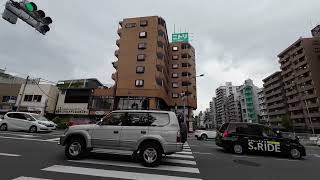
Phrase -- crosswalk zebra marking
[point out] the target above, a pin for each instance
(136, 165)
(112, 173)
(29, 178)
(11, 155)
(180, 161)
(184, 152)
(181, 156)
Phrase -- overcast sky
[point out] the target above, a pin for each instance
(234, 39)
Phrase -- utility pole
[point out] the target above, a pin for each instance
(21, 95)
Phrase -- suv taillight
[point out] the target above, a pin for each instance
(178, 137)
(226, 133)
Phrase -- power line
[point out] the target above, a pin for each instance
(45, 92)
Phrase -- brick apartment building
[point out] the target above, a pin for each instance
(150, 72)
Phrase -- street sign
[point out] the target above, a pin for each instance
(180, 37)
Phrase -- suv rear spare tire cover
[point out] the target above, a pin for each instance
(183, 132)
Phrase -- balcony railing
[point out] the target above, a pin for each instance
(118, 42)
(116, 53)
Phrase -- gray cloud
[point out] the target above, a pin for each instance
(234, 40)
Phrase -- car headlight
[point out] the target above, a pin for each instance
(42, 123)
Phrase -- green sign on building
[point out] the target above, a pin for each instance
(180, 37)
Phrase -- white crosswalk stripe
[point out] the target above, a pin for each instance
(29, 178)
(178, 166)
(112, 173)
(11, 155)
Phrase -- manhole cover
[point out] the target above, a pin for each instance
(245, 162)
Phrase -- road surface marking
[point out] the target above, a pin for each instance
(202, 153)
(28, 178)
(180, 161)
(316, 155)
(28, 139)
(54, 139)
(184, 152)
(112, 151)
(186, 149)
(12, 155)
(287, 160)
(181, 156)
(21, 135)
(137, 165)
(112, 173)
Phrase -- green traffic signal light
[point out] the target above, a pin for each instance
(30, 6)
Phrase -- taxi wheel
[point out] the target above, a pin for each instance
(238, 149)
(295, 153)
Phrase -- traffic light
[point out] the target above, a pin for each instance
(28, 12)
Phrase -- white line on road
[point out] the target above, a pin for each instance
(181, 156)
(28, 178)
(136, 165)
(184, 152)
(54, 139)
(316, 155)
(28, 139)
(12, 155)
(180, 161)
(16, 134)
(202, 153)
(111, 173)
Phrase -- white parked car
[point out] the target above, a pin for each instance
(205, 134)
(23, 121)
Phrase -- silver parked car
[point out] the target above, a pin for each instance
(148, 134)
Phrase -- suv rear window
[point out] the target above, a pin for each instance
(159, 119)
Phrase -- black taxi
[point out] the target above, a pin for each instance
(250, 137)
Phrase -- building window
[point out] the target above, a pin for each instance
(175, 48)
(141, 57)
(140, 69)
(160, 55)
(161, 33)
(130, 25)
(160, 44)
(185, 65)
(175, 95)
(139, 83)
(28, 98)
(174, 75)
(185, 46)
(37, 98)
(143, 34)
(185, 83)
(175, 85)
(142, 45)
(143, 23)
(175, 57)
(175, 66)
(185, 74)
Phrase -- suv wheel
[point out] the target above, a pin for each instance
(238, 149)
(295, 153)
(150, 154)
(3, 127)
(33, 129)
(75, 149)
(204, 137)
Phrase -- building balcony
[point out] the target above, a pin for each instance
(274, 99)
(115, 64)
(308, 96)
(279, 112)
(300, 72)
(273, 93)
(272, 81)
(288, 78)
(276, 106)
(305, 88)
(303, 80)
(286, 71)
(289, 86)
(311, 105)
(116, 53)
(297, 116)
(286, 64)
(291, 92)
(118, 42)
(119, 31)
(295, 108)
(272, 87)
(300, 64)
(120, 23)
(295, 99)
(313, 115)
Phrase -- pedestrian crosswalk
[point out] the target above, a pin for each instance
(178, 166)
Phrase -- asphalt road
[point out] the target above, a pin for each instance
(38, 156)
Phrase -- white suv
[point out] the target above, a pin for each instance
(148, 134)
(23, 121)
